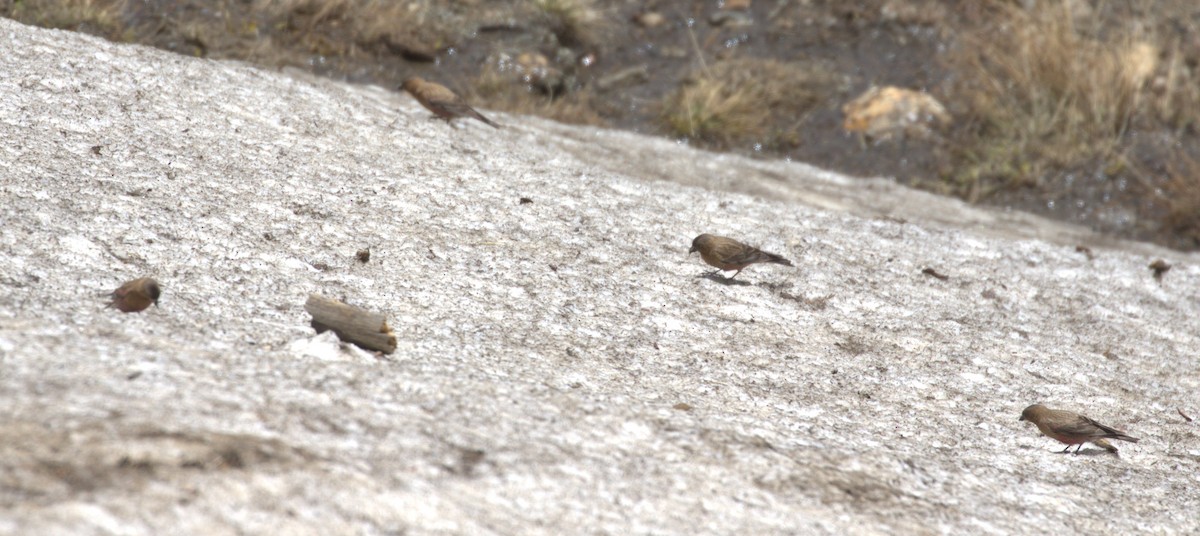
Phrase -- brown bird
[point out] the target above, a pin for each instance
(441, 101)
(1072, 428)
(136, 295)
(729, 254)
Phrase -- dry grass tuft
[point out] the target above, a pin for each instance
(745, 101)
(500, 89)
(97, 17)
(1044, 91)
(1182, 191)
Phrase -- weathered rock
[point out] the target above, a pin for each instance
(628, 76)
(731, 19)
(885, 112)
(560, 366)
(650, 19)
(535, 69)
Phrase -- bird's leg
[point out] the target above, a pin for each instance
(734, 275)
(712, 273)
(1066, 450)
(1077, 449)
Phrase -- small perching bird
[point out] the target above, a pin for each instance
(729, 254)
(136, 295)
(1072, 428)
(441, 101)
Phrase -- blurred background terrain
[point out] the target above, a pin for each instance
(1085, 111)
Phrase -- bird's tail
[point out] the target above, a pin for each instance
(480, 117)
(1124, 437)
(771, 257)
(1113, 433)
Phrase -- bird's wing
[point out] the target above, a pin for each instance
(749, 255)
(1079, 426)
(743, 255)
(1110, 431)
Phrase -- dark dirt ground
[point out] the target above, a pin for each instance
(476, 47)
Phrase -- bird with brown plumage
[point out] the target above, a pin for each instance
(440, 100)
(728, 254)
(1072, 428)
(135, 296)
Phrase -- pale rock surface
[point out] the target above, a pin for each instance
(561, 368)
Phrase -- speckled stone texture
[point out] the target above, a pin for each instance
(561, 367)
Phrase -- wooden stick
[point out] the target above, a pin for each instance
(351, 324)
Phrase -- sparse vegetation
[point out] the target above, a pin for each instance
(414, 29)
(99, 17)
(1183, 201)
(1049, 89)
(574, 22)
(504, 89)
(747, 100)
(1037, 92)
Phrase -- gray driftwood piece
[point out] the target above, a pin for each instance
(351, 324)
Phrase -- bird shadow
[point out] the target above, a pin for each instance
(718, 278)
(1090, 452)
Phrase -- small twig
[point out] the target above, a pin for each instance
(696, 47)
(934, 273)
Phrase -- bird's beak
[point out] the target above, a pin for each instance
(691, 251)
(1021, 418)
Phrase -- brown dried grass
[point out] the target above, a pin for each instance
(743, 101)
(98, 17)
(1047, 89)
